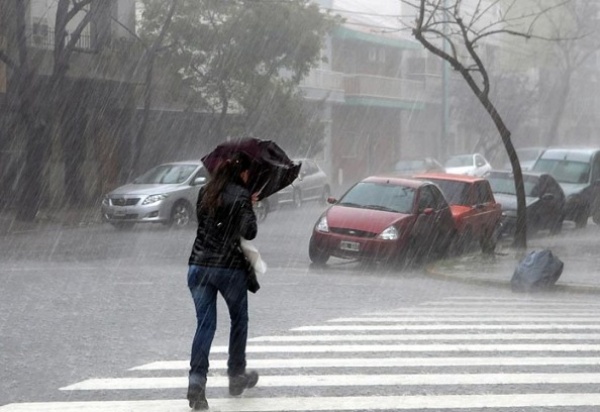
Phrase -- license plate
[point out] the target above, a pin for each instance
(350, 246)
(120, 212)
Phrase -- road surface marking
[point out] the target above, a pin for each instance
(247, 404)
(506, 326)
(378, 362)
(429, 337)
(541, 318)
(347, 380)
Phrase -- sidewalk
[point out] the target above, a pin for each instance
(49, 219)
(581, 273)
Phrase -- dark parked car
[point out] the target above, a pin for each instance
(578, 173)
(544, 199)
(311, 184)
(384, 218)
(474, 208)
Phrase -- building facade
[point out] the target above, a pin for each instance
(91, 145)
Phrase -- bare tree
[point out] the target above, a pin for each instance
(456, 31)
(39, 100)
(577, 33)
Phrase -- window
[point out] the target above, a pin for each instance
(479, 162)
(596, 168)
(426, 199)
(482, 193)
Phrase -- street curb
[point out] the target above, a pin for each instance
(434, 272)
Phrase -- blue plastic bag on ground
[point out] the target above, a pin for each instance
(539, 270)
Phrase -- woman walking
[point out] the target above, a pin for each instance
(217, 265)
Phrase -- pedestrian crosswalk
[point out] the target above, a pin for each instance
(514, 353)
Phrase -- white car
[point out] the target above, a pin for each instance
(311, 184)
(165, 194)
(473, 164)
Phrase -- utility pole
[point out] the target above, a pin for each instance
(443, 144)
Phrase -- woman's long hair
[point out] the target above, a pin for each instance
(227, 172)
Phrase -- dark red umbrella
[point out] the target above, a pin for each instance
(271, 169)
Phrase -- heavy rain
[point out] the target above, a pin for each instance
(414, 183)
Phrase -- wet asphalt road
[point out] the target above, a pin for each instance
(79, 303)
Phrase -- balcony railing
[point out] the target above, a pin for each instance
(362, 85)
(366, 86)
(324, 80)
(44, 39)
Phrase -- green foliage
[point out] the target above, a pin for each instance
(229, 56)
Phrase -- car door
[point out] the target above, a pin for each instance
(305, 183)
(198, 180)
(595, 181)
(483, 202)
(426, 218)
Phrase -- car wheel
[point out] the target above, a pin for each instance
(488, 242)
(556, 228)
(316, 255)
(180, 214)
(261, 210)
(581, 219)
(123, 225)
(596, 216)
(325, 195)
(464, 241)
(297, 198)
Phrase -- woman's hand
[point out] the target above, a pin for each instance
(254, 198)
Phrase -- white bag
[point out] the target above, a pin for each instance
(251, 252)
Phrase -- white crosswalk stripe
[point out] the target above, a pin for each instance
(465, 353)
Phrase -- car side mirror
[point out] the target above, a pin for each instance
(332, 200)
(547, 196)
(199, 181)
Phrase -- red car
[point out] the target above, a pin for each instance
(475, 211)
(386, 219)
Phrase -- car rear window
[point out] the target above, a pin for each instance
(380, 196)
(456, 193)
(505, 184)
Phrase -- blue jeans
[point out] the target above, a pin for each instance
(204, 283)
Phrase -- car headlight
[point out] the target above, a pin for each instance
(391, 233)
(105, 201)
(322, 225)
(154, 198)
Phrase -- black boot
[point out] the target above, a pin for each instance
(197, 397)
(238, 383)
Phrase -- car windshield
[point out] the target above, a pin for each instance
(380, 196)
(460, 161)
(528, 155)
(167, 174)
(564, 171)
(505, 184)
(456, 193)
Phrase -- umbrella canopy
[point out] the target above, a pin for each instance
(271, 169)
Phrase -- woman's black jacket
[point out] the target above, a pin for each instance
(218, 237)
